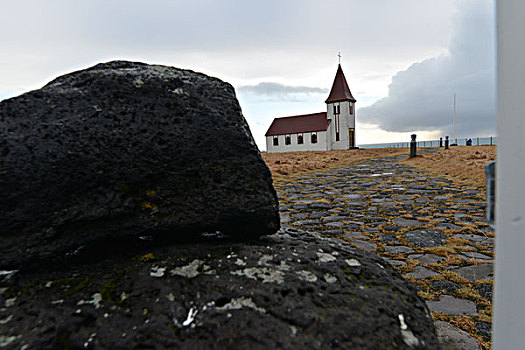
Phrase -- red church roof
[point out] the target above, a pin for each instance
(298, 124)
(340, 90)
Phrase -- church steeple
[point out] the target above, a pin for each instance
(340, 90)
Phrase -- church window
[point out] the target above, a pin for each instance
(337, 109)
(275, 141)
(300, 139)
(287, 140)
(351, 109)
(314, 138)
(337, 136)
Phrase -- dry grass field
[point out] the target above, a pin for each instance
(294, 163)
(461, 164)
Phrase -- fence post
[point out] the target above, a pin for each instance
(491, 140)
(446, 142)
(477, 141)
(413, 146)
(440, 142)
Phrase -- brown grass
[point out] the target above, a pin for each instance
(463, 165)
(294, 163)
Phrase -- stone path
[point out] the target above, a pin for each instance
(430, 229)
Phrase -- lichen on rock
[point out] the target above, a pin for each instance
(282, 297)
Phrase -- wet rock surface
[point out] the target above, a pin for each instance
(453, 306)
(127, 149)
(430, 229)
(426, 238)
(421, 272)
(475, 273)
(291, 290)
(453, 338)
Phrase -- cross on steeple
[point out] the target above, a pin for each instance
(339, 55)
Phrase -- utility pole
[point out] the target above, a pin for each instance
(454, 122)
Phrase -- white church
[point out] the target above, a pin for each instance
(333, 129)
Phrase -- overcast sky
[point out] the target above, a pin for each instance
(403, 59)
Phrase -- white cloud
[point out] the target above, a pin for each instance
(238, 40)
(421, 97)
(268, 91)
(292, 42)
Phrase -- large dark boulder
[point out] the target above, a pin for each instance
(127, 149)
(291, 290)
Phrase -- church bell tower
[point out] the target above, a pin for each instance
(341, 111)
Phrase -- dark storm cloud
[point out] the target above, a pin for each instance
(421, 97)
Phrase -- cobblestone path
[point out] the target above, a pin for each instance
(430, 229)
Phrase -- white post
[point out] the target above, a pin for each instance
(509, 305)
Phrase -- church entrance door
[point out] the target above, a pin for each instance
(351, 139)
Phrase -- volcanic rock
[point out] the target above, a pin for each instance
(127, 149)
(426, 237)
(452, 337)
(291, 290)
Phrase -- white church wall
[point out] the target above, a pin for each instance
(330, 130)
(343, 126)
(294, 145)
(269, 143)
(346, 121)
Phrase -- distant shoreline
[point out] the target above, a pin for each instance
(476, 141)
